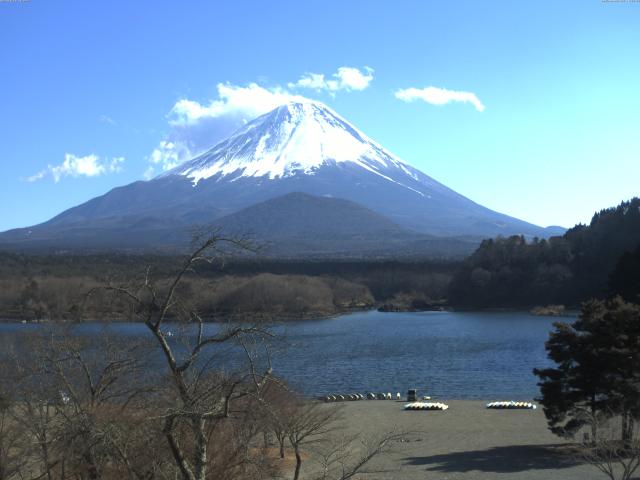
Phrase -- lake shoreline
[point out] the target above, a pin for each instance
(212, 318)
(297, 316)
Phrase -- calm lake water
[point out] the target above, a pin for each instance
(449, 355)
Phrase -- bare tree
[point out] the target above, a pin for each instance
(309, 424)
(200, 394)
(616, 458)
(24, 425)
(73, 397)
(12, 440)
(99, 379)
(279, 406)
(342, 458)
(40, 423)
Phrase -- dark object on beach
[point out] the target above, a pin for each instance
(412, 395)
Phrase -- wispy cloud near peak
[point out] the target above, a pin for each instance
(251, 101)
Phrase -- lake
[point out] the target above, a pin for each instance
(449, 355)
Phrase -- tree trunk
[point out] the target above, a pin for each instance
(282, 448)
(296, 475)
(176, 451)
(627, 428)
(201, 448)
(594, 421)
(44, 440)
(92, 469)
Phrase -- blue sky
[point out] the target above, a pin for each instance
(546, 125)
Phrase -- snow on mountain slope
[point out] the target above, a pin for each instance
(296, 138)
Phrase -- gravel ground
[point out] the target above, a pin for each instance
(467, 441)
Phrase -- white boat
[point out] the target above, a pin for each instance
(511, 405)
(426, 406)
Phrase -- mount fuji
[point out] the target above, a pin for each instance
(303, 159)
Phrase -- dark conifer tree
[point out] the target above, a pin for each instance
(576, 389)
(625, 278)
(597, 368)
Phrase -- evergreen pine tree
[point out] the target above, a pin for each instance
(597, 368)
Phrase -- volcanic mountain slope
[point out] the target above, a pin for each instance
(299, 224)
(298, 147)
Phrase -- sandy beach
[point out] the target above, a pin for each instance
(467, 441)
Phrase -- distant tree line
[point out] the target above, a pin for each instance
(51, 287)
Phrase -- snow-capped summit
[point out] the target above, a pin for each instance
(295, 138)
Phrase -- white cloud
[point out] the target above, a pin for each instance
(167, 155)
(438, 96)
(346, 78)
(149, 173)
(74, 166)
(249, 101)
(196, 127)
(37, 176)
(108, 120)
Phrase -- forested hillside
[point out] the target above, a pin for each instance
(514, 272)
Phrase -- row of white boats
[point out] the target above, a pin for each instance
(512, 405)
(422, 405)
(359, 396)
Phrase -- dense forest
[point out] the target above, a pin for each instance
(595, 260)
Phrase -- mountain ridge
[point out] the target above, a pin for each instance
(298, 224)
(297, 147)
